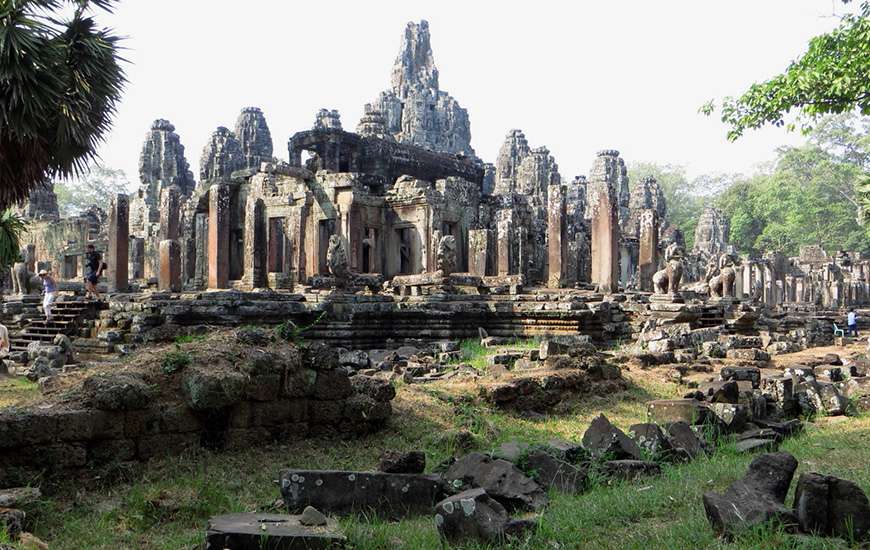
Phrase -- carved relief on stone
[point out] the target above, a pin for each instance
(445, 260)
(337, 261)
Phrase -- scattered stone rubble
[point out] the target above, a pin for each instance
(823, 505)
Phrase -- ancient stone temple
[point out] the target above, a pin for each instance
(254, 137)
(415, 110)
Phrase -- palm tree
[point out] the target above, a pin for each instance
(11, 229)
(60, 81)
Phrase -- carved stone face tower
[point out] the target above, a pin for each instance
(254, 137)
(415, 110)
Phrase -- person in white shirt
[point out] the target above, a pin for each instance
(5, 346)
(852, 323)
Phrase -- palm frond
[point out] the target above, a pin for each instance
(12, 227)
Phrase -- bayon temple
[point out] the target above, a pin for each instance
(402, 211)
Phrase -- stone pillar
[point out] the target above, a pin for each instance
(219, 236)
(200, 239)
(137, 258)
(504, 229)
(605, 243)
(118, 253)
(480, 252)
(255, 243)
(747, 280)
(648, 251)
(169, 278)
(170, 213)
(556, 242)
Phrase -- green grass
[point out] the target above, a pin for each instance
(166, 504)
(17, 391)
(474, 354)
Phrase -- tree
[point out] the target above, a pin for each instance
(831, 77)
(11, 229)
(98, 186)
(60, 80)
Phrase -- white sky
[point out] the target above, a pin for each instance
(574, 76)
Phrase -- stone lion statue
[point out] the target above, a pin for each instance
(336, 260)
(667, 280)
(25, 281)
(445, 258)
(721, 276)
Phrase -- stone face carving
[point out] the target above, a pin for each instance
(511, 154)
(162, 162)
(221, 156)
(327, 120)
(415, 110)
(445, 260)
(254, 137)
(667, 280)
(373, 124)
(711, 234)
(337, 261)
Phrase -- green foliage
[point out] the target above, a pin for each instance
(831, 77)
(12, 228)
(290, 331)
(98, 186)
(810, 195)
(175, 360)
(60, 81)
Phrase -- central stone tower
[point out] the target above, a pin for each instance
(416, 112)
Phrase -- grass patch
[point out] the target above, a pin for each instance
(16, 390)
(170, 500)
(175, 360)
(189, 338)
(474, 354)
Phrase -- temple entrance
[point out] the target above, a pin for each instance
(404, 240)
(276, 245)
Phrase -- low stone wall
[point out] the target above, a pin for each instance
(367, 321)
(119, 416)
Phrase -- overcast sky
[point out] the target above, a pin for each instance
(574, 76)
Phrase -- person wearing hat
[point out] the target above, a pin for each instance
(94, 267)
(49, 288)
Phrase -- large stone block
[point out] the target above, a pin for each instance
(342, 492)
(258, 531)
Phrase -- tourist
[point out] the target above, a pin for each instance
(852, 323)
(49, 288)
(5, 346)
(93, 271)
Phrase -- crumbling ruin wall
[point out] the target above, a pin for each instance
(268, 394)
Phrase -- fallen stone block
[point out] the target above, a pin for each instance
(471, 515)
(684, 442)
(551, 472)
(650, 438)
(342, 492)
(603, 439)
(11, 522)
(751, 374)
(729, 392)
(273, 531)
(755, 499)
(751, 445)
(502, 480)
(729, 417)
(567, 451)
(785, 429)
(828, 505)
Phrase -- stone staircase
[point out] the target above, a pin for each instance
(26, 322)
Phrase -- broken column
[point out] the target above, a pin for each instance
(556, 243)
(604, 177)
(219, 236)
(170, 213)
(169, 277)
(137, 258)
(255, 243)
(119, 235)
(648, 254)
